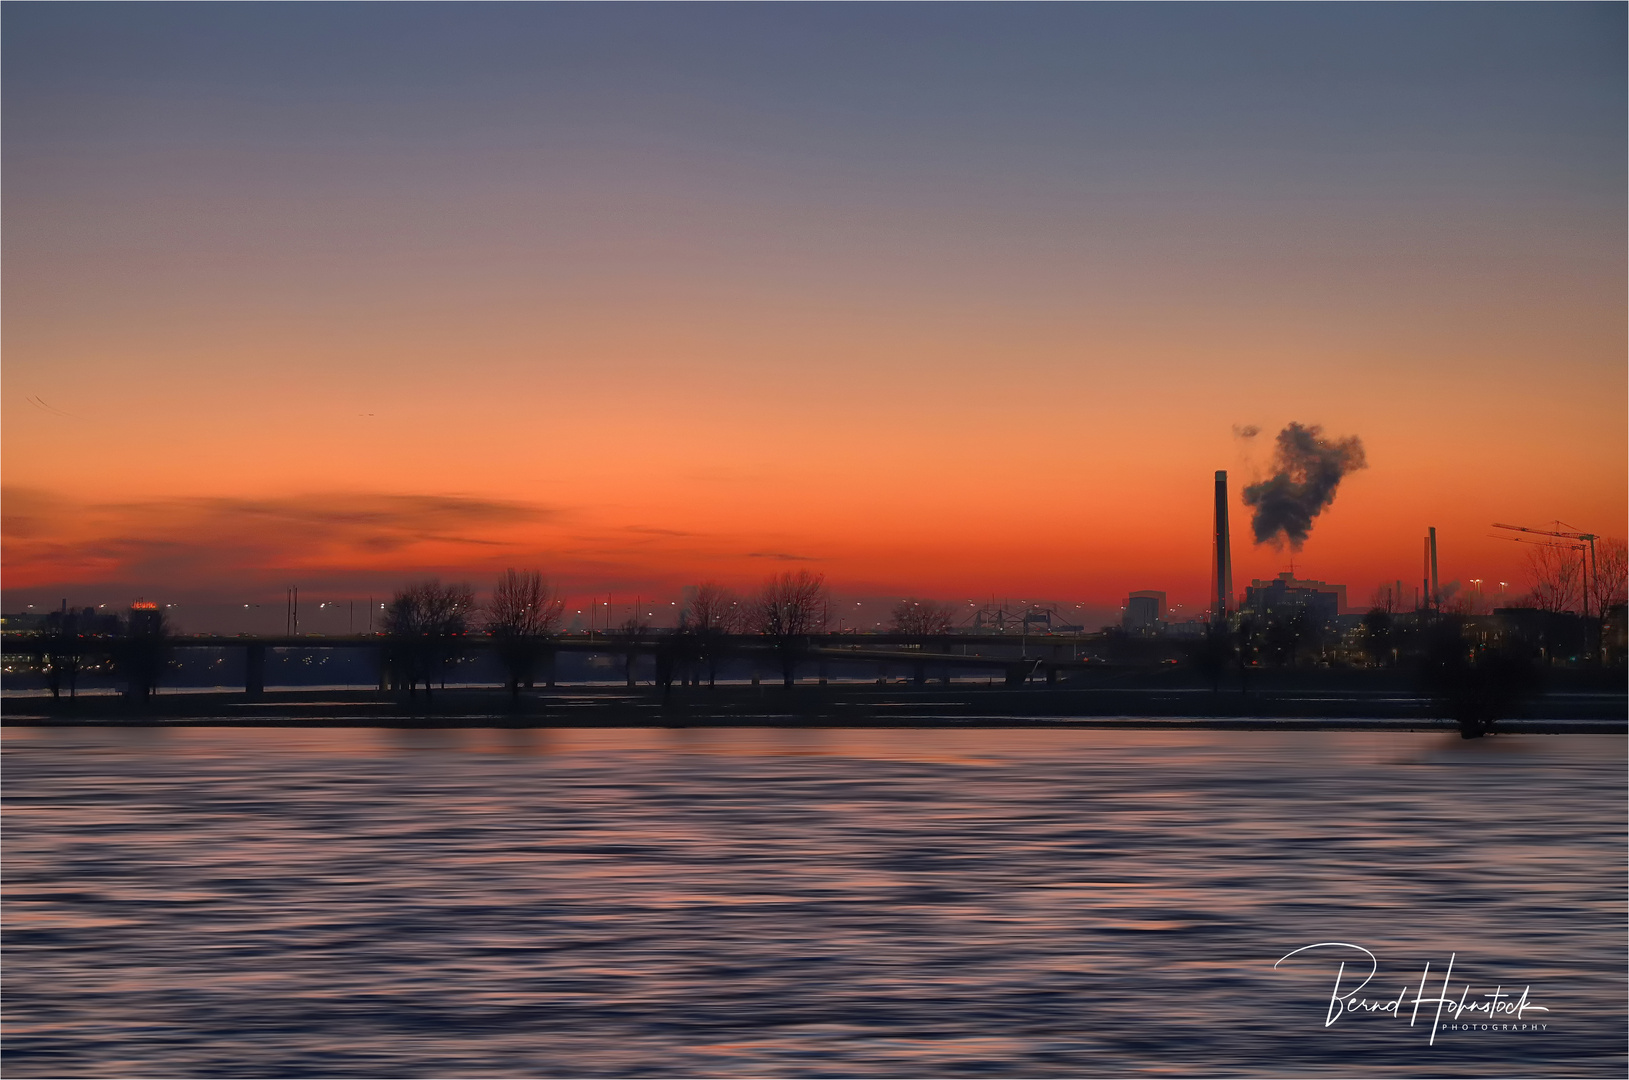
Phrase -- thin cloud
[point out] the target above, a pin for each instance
(653, 531)
(236, 539)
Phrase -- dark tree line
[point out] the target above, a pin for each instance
(524, 611)
(425, 621)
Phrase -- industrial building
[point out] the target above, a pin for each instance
(1286, 593)
(1144, 613)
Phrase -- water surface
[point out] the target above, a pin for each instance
(758, 902)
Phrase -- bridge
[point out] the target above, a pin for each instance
(1016, 659)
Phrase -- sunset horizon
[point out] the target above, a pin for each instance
(895, 540)
(645, 301)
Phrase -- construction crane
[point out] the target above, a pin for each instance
(1583, 538)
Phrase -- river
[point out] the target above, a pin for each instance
(812, 902)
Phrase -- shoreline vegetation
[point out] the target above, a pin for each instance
(1290, 662)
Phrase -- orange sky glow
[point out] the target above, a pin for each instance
(643, 361)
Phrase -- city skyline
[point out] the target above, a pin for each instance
(946, 302)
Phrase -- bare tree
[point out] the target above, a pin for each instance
(714, 609)
(632, 628)
(712, 615)
(789, 608)
(923, 618)
(1611, 581)
(63, 659)
(524, 608)
(424, 622)
(1557, 572)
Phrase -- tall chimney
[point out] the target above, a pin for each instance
(1222, 563)
(1436, 592)
(1425, 572)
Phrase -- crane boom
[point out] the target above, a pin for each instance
(1548, 532)
(1586, 540)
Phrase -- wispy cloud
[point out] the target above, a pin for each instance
(653, 531)
(232, 538)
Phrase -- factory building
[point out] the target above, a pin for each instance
(1144, 613)
(1286, 593)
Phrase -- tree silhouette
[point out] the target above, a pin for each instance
(62, 655)
(523, 610)
(1377, 634)
(1557, 573)
(424, 623)
(788, 608)
(922, 618)
(1611, 581)
(632, 629)
(712, 615)
(1473, 685)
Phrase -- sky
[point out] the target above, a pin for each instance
(956, 301)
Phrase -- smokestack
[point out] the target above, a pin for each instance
(1436, 593)
(1425, 573)
(1222, 562)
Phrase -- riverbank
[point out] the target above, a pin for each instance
(840, 705)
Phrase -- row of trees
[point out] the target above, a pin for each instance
(425, 620)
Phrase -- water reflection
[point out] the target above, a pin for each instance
(703, 901)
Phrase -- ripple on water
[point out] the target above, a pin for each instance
(812, 902)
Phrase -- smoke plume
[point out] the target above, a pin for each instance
(1309, 469)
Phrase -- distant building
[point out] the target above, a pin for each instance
(1144, 612)
(25, 622)
(85, 622)
(1285, 593)
(71, 621)
(1188, 628)
(146, 619)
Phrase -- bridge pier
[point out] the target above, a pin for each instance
(820, 673)
(254, 670)
(919, 675)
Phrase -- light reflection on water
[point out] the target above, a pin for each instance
(786, 902)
